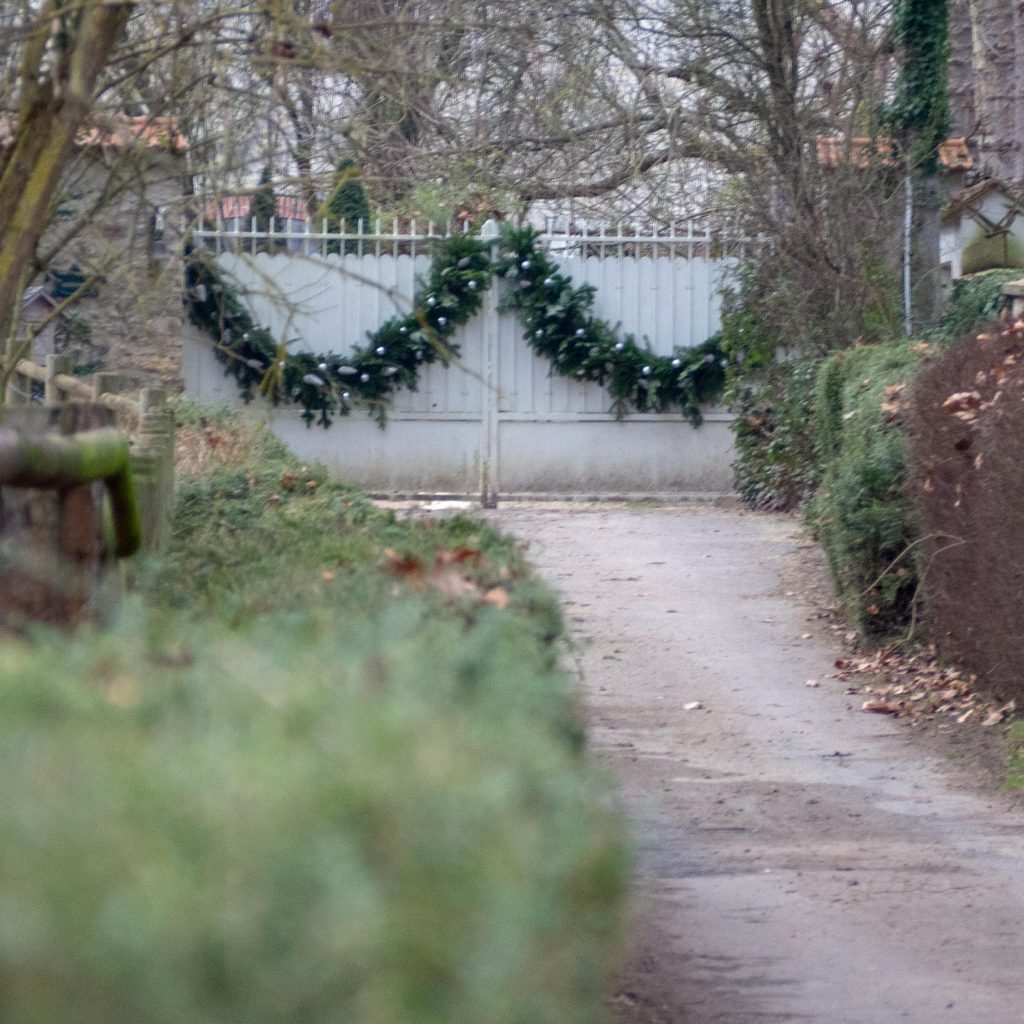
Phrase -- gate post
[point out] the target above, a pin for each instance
(489, 412)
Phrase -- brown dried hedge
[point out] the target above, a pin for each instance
(966, 426)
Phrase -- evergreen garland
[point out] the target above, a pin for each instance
(558, 324)
(329, 384)
(556, 316)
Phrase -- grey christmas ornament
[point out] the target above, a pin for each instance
(364, 377)
(346, 371)
(313, 381)
(381, 350)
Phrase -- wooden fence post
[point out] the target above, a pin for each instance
(52, 566)
(51, 390)
(10, 359)
(153, 468)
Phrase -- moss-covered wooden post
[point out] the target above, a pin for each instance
(55, 466)
(153, 468)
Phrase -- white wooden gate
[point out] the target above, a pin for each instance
(498, 421)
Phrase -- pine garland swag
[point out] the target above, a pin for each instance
(556, 316)
(558, 324)
(328, 384)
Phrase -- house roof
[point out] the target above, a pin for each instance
(120, 133)
(964, 202)
(240, 206)
(862, 151)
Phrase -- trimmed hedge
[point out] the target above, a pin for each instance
(966, 424)
(862, 512)
(321, 793)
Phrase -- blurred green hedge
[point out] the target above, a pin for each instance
(353, 804)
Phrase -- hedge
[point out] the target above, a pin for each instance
(862, 512)
(317, 793)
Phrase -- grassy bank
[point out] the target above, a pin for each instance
(327, 770)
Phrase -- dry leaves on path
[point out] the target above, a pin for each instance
(916, 686)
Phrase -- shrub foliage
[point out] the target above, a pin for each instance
(862, 512)
(314, 780)
(967, 433)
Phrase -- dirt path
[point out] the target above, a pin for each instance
(799, 860)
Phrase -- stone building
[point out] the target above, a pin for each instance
(114, 248)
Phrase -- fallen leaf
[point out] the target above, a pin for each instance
(962, 401)
(498, 597)
(813, 683)
(694, 705)
(327, 576)
(878, 707)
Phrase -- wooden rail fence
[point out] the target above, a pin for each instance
(86, 476)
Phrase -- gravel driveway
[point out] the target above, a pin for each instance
(799, 860)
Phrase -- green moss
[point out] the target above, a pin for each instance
(1015, 765)
(986, 253)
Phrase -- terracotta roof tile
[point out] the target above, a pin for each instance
(862, 152)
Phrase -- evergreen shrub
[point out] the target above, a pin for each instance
(862, 512)
(975, 299)
(311, 780)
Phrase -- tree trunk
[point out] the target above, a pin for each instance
(46, 123)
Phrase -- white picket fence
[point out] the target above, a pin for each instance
(499, 421)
